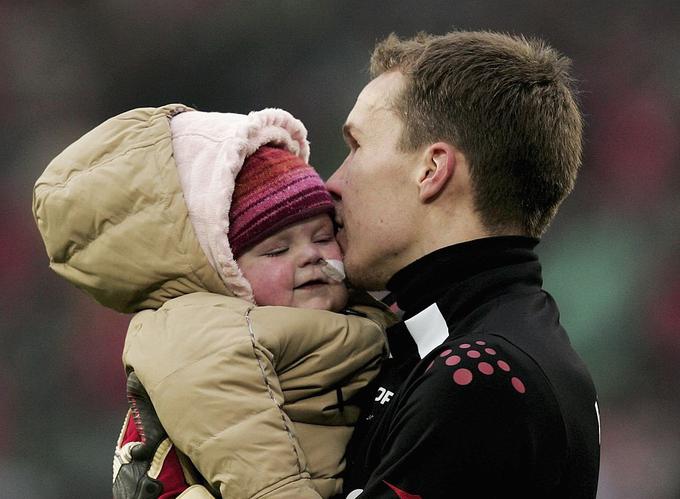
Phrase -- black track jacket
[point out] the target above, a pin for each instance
(484, 396)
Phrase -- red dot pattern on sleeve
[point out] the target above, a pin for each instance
(485, 368)
(452, 361)
(462, 376)
(518, 385)
(465, 373)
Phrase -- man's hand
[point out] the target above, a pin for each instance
(142, 448)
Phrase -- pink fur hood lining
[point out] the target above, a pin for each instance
(209, 150)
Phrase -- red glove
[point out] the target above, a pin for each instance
(145, 463)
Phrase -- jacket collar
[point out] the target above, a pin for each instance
(444, 287)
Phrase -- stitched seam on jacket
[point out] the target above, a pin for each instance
(288, 430)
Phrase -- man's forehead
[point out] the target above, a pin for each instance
(377, 97)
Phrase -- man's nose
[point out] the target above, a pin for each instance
(334, 184)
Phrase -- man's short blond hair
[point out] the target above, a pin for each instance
(508, 103)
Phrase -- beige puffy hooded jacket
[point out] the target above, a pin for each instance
(136, 214)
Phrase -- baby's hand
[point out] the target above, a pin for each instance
(143, 450)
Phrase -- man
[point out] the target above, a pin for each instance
(462, 148)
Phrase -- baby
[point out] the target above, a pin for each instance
(281, 233)
(213, 228)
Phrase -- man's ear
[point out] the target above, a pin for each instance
(439, 164)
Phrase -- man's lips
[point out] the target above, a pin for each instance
(341, 238)
(339, 222)
(340, 229)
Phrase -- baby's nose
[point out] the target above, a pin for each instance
(311, 254)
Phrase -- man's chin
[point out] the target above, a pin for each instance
(362, 277)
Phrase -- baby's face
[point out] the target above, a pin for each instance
(285, 268)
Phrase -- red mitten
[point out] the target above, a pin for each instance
(145, 463)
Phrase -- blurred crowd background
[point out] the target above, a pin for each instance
(610, 258)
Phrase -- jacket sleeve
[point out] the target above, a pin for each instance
(319, 354)
(218, 397)
(323, 360)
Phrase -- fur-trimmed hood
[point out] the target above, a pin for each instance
(136, 212)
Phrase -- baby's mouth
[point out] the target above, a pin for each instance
(311, 284)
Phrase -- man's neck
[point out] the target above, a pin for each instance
(420, 283)
(430, 241)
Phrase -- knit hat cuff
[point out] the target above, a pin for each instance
(239, 246)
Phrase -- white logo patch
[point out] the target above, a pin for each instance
(384, 395)
(428, 329)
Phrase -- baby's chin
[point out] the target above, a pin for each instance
(334, 299)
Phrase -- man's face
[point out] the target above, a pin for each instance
(285, 268)
(374, 188)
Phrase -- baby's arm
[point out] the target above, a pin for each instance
(217, 395)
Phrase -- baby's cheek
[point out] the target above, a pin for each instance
(274, 285)
(333, 252)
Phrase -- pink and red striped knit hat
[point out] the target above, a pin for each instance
(274, 189)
